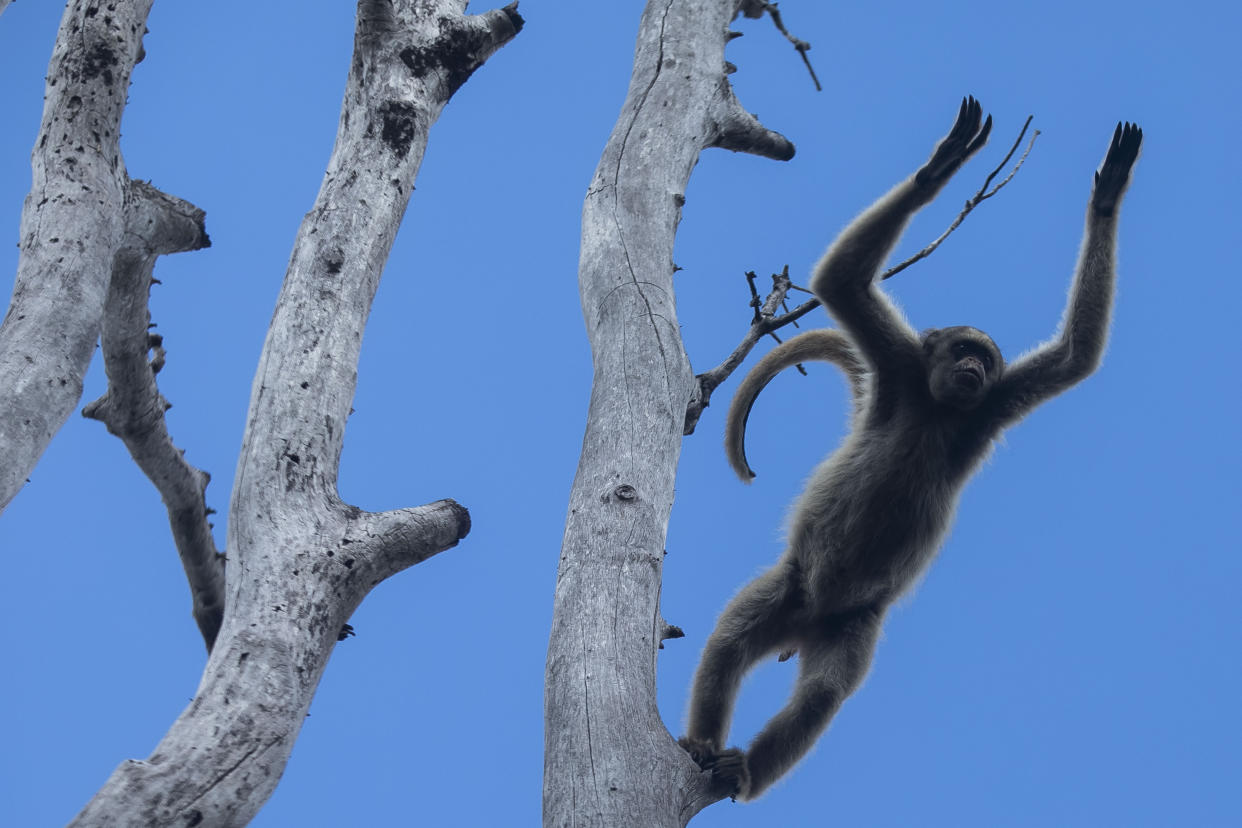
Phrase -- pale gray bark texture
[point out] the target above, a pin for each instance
(71, 229)
(609, 760)
(299, 559)
(133, 408)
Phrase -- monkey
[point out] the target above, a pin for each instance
(874, 513)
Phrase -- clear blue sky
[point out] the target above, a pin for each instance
(1072, 659)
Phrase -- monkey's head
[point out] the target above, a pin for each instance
(962, 365)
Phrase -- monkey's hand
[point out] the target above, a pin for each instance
(1114, 174)
(730, 775)
(964, 140)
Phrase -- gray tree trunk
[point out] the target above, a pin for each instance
(299, 559)
(71, 230)
(609, 760)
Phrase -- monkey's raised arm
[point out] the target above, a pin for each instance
(1076, 350)
(843, 279)
(821, 345)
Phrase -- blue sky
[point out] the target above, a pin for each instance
(1072, 657)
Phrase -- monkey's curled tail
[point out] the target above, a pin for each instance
(820, 345)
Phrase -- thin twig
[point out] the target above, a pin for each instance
(974, 202)
(761, 326)
(801, 45)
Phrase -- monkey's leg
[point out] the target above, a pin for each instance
(829, 670)
(755, 623)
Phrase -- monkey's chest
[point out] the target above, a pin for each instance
(868, 531)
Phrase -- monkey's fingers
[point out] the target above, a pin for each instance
(1114, 174)
(1126, 146)
(700, 751)
(967, 123)
(981, 138)
(966, 137)
(730, 772)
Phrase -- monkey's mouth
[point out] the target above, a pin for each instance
(969, 377)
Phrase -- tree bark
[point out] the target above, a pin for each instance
(133, 408)
(299, 559)
(608, 758)
(71, 230)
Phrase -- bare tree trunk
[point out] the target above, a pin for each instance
(609, 760)
(71, 230)
(299, 559)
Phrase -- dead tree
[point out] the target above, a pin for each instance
(608, 758)
(299, 560)
(72, 230)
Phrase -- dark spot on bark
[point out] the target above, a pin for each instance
(456, 54)
(625, 492)
(91, 11)
(418, 61)
(349, 563)
(305, 385)
(193, 818)
(397, 120)
(331, 554)
(293, 458)
(334, 260)
(98, 62)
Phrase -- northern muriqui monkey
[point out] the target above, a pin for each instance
(874, 513)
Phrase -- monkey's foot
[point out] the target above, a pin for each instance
(730, 776)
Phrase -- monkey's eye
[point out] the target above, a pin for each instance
(961, 350)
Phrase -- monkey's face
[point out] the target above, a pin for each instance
(962, 365)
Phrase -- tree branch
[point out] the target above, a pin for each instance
(133, 409)
(600, 712)
(738, 130)
(398, 539)
(299, 560)
(982, 195)
(757, 8)
(71, 229)
(763, 324)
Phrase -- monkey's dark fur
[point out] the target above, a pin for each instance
(873, 514)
